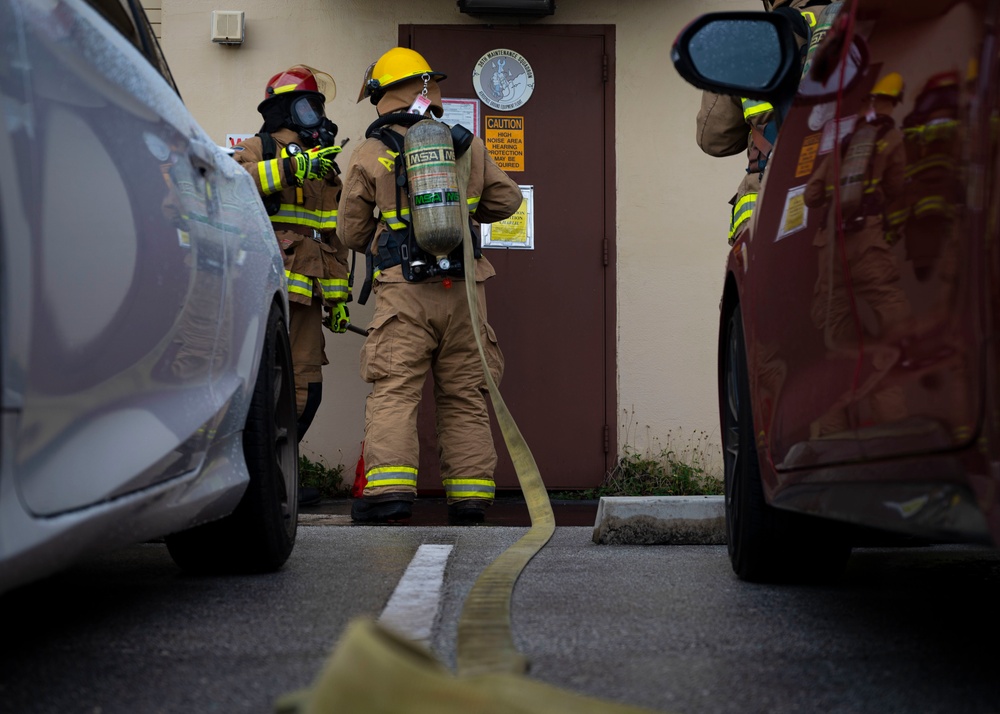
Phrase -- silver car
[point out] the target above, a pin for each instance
(144, 359)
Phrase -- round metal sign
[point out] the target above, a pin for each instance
(503, 79)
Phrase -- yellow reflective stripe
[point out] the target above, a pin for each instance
(934, 161)
(299, 284)
(398, 221)
(393, 221)
(334, 288)
(469, 488)
(936, 205)
(392, 476)
(742, 212)
(270, 176)
(870, 184)
(935, 130)
(810, 17)
(299, 216)
(753, 107)
(895, 218)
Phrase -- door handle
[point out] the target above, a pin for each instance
(202, 156)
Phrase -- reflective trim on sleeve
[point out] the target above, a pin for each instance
(299, 216)
(396, 222)
(334, 289)
(299, 284)
(469, 488)
(753, 107)
(270, 176)
(392, 476)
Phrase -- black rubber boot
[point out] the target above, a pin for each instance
(464, 513)
(365, 510)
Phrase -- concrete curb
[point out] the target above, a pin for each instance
(661, 520)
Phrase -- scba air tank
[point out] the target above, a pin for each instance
(435, 203)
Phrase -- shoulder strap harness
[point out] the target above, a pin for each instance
(399, 247)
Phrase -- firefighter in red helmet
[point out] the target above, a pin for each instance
(293, 162)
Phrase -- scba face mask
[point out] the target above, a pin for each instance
(307, 112)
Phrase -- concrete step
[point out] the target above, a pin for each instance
(660, 520)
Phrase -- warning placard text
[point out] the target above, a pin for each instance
(505, 141)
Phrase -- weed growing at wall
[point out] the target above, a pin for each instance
(329, 480)
(681, 468)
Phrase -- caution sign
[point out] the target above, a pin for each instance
(505, 141)
(807, 156)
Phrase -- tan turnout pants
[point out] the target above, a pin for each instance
(421, 327)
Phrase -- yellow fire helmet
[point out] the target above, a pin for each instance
(890, 85)
(396, 65)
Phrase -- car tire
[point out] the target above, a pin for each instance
(765, 544)
(260, 534)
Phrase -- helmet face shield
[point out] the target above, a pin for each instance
(366, 83)
(307, 111)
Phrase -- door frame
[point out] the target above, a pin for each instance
(607, 33)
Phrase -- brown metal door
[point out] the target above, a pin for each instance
(552, 306)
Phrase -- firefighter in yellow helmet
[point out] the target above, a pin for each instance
(421, 322)
(729, 125)
(292, 160)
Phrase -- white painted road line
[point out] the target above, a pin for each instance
(413, 607)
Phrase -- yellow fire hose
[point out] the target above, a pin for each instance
(375, 671)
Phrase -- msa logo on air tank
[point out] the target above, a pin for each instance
(435, 198)
(430, 155)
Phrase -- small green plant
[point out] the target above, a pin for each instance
(665, 473)
(329, 480)
(669, 471)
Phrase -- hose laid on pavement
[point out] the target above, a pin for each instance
(485, 643)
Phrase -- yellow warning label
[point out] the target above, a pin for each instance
(795, 214)
(807, 157)
(513, 229)
(505, 141)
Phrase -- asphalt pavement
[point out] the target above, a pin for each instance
(667, 628)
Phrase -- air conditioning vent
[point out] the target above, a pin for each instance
(227, 27)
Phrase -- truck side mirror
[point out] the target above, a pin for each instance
(746, 54)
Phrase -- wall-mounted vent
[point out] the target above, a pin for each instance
(227, 27)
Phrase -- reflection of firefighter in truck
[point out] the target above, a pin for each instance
(932, 239)
(933, 192)
(854, 245)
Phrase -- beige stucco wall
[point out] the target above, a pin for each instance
(672, 213)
